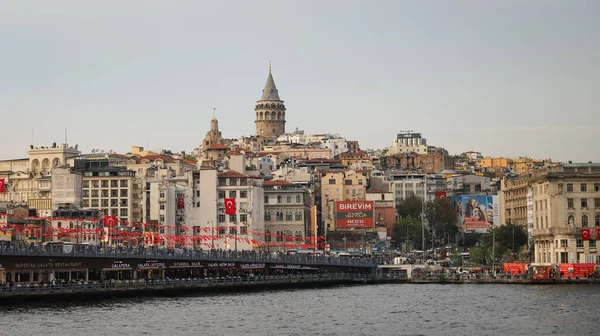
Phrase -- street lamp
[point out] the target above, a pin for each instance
(407, 225)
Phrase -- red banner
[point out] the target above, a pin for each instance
(180, 203)
(1, 185)
(590, 234)
(110, 221)
(230, 206)
(440, 194)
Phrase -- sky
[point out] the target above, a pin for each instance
(505, 78)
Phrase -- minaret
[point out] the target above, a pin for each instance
(270, 111)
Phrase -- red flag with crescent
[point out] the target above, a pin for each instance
(230, 206)
(1, 185)
(180, 203)
(110, 221)
(585, 234)
(440, 194)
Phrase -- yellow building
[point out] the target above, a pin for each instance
(514, 192)
(343, 185)
(493, 163)
(359, 158)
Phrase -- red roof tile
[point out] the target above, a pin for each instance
(277, 183)
(217, 146)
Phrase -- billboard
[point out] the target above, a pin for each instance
(477, 213)
(354, 214)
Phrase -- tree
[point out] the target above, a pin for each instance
(509, 238)
(441, 218)
(479, 255)
(415, 232)
(411, 206)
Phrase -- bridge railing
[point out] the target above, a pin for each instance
(173, 283)
(87, 251)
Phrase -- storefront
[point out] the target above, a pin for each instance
(252, 269)
(150, 270)
(291, 269)
(118, 270)
(219, 270)
(185, 269)
(47, 271)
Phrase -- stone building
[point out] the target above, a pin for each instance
(284, 211)
(270, 111)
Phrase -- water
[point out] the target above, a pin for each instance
(401, 309)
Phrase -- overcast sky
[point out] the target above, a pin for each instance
(506, 78)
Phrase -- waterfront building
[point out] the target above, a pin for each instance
(563, 202)
(285, 211)
(514, 199)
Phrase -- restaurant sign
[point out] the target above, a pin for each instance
(153, 264)
(252, 266)
(187, 264)
(120, 264)
(221, 265)
(49, 265)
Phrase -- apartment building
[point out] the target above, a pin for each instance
(242, 229)
(344, 185)
(284, 212)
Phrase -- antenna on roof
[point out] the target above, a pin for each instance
(66, 136)
(214, 111)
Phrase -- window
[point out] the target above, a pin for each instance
(162, 206)
(197, 193)
(279, 216)
(570, 203)
(331, 181)
(348, 182)
(267, 216)
(569, 187)
(221, 218)
(114, 184)
(232, 181)
(222, 182)
(222, 230)
(597, 221)
(596, 187)
(243, 181)
(299, 199)
(86, 184)
(584, 202)
(268, 236)
(288, 217)
(162, 219)
(104, 184)
(583, 187)
(162, 194)
(124, 183)
(243, 194)
(232, 218)
(123, 193)
(289, 198)
(299, 215)
(360, 182)
(592, 243)
(584, 221)
(244, 230)
(243, 218)
(232, 193)
(279, 199)
(579, 243)
(596, 203)
(233, 230)
(266, 199)
(221, 193)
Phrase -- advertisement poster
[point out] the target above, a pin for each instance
(476, 212)
(354, 214)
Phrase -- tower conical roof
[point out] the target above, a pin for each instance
(270, 90)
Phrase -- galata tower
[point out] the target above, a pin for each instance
(270, 111)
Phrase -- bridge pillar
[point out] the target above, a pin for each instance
(134, 276)
(87, 275)
(69, 272)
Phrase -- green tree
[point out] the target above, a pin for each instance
(411, 206)
(415, 233)
(189, 157)
(442, 219)
(509, 240)
(479, 255)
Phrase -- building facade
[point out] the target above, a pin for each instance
(345, 185)
(564, 203)
(284, 213)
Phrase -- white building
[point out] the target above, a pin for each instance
(335, 145)
(66, 187)
(242, 230)
(408, 142)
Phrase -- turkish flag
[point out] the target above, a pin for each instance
(1, 185)
(230, 206)
(585, 234)
(110, 221)
(440, 194)
(180, 203)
